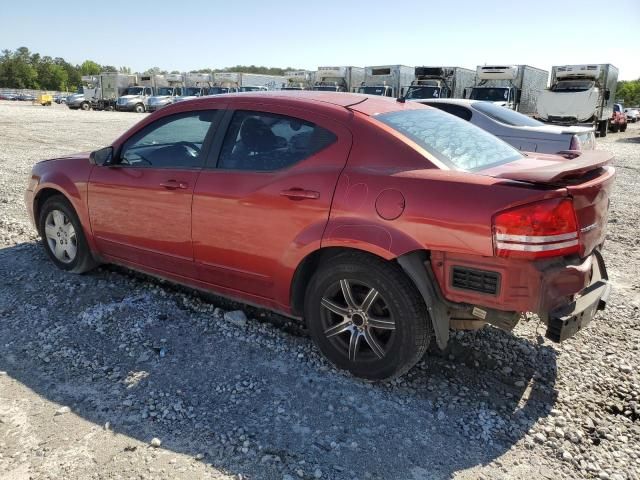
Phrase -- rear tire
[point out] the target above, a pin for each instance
(614, 127)
(373, 339)
(62, 236)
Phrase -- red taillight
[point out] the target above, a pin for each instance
(575, 143)
(542, 229)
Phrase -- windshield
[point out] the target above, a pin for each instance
(451, 140)
(252, 89)
(423, 92)
(134, 91)
(165, 91)
(192, 91)
(384, 91)
(326, 88)
(505, 115)
(489, 93)
(218, 90)
(572, 86)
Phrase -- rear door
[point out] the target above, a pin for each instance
(264, 201)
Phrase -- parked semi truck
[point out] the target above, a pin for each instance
(338, 79)
(196, 85)
(166, 95)
(513, 86)
(136, 97)
(386, 80)
(580, 95)
(440, 82)
(298, 80)
(230, 82)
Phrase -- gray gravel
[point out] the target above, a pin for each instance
(116, 375)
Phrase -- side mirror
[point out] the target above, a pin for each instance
(607, 94)
(102, 157)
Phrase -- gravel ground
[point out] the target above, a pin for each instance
(116, 375)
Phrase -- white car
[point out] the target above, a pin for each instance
(524, 133)
(633, 114)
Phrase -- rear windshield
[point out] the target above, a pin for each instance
(506, 115)
(453, 141)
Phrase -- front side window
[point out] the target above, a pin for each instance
(455, 142)
(260, 141)
(171, 142)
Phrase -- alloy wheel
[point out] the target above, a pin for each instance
(357, 321)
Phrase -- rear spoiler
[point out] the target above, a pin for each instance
(577, 163)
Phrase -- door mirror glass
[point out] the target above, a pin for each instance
(104, 156)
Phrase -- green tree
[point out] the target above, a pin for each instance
(628, 92)
(89, 67)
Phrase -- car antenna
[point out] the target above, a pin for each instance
(348, 107)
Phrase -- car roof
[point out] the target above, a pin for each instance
(366, 104)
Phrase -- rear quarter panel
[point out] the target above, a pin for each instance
(441, 210)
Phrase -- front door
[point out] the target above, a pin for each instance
(140, 206)
(268, 200)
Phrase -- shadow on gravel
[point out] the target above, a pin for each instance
(629, 140)
(154, 361)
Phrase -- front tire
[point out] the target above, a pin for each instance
(623, 127)
(603, 128)
(139, 108)
(62, 236)
(85, 106)
(367, 317)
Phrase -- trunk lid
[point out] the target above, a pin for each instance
(586, 176)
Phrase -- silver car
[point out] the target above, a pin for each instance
(524, 133)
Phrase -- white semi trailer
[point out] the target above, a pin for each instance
(338, 79)
(580, 95)
(513, 86)
(386, 80)
(440, 82)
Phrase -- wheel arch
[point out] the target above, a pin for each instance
(42, 196)
(414, 264)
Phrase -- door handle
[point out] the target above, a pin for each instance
(174, 184)
(300, 194)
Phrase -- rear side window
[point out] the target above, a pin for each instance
(506, 115)
(455, 142)
(457, 110)
(260, 141)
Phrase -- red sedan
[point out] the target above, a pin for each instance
(383, 224)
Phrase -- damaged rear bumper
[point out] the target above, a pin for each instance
(565, 321)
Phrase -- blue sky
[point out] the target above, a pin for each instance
(185, 35)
